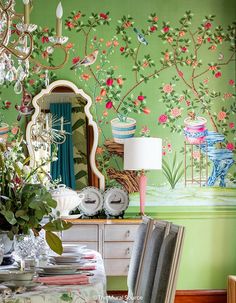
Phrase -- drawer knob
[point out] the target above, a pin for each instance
(128, 233)
(128, 251)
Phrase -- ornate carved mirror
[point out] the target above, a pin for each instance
(62, 119)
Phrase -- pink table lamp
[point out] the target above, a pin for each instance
(142, 154)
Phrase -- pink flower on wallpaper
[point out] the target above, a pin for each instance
(218, 74)
(181, 33)
(231, 82)
(228, 96)
(176, 112)
(109, 82)
(127, 24)
(108, 44)
(145, 64)
(70, 24)
(196, 155)
(103, 16)
(231, 125)
(105, 113)
(155, 19)
(77, 16)
(145, 130)
(170, 39)
(230, 146)
(69, 45)
(213, 47)
(115, 43)
(153, 28)
(167, 88)
(162, 118)
(45, 39)
(221, 115)
(181, 98)
(109, 105)
(207, 25)
(99, 99)
(85, 77)
(188, 102)
(213, 67)
(166, 29)
(141, 98)
(103, 92)
(199, 40)
(7, 104)
(31, 81)
(75, 60)
(181, 74)
(122, 49)
(184, 49)
(146, 110)
(119, 81)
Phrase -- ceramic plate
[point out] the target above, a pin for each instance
(15, 284)
(59, 269)
(92, 202)
(73, 248)
(116, 201)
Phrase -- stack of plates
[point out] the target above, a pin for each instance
(72, 254)
(54, 270)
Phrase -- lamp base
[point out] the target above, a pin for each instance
(142, 191)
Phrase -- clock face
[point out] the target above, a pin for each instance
(92, 202)
(116, 201)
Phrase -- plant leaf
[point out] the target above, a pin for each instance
(54, 242)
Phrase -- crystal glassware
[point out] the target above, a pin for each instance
(24, 248)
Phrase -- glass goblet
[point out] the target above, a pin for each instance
(24, 248)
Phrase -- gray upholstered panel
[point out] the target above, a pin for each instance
(163, 268)
(150, 263)
(136, 257)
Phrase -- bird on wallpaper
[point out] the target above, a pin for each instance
(86, 61)
(140, 37)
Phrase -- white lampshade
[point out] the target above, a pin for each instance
(142, 153)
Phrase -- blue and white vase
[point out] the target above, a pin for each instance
(123, 129)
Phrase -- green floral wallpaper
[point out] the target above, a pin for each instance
(156, 69)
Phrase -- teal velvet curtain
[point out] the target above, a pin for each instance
(64, 167)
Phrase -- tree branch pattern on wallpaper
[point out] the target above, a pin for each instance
(119, 71)
(189, 58)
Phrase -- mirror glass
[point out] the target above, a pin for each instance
(62, 125)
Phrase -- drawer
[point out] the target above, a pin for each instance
(118, 250)
(89, 245)
(116, 267)
(118, 232)
(81, 233)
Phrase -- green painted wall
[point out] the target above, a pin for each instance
(208, 252)
(209, 248)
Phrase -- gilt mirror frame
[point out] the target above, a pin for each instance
(91, 123)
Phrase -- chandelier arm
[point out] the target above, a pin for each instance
(7, 27)
(5, 8)
(17, 54)
(48, 67)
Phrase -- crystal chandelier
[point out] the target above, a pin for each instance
(48, 130)
(16, 49)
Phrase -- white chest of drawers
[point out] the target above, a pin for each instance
(112, 238)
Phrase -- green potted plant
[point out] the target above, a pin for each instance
(25, 198)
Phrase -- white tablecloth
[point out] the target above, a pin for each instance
(95, 292)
